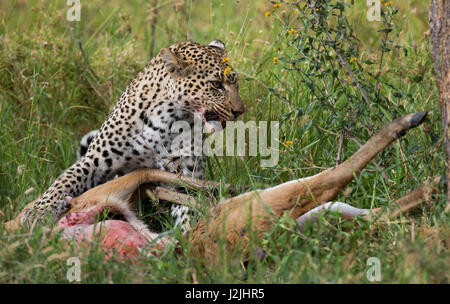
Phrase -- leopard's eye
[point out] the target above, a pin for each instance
(217, 85)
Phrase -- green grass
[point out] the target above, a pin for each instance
(49, 99)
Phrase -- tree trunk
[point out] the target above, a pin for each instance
(440, 42)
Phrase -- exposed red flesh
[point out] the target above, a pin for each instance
(114, 236)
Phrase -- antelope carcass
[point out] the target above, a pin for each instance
(301, 199)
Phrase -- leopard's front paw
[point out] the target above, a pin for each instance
(42, 208)
(62, 206)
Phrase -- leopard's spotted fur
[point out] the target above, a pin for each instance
(182, 80)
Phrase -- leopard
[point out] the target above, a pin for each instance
(185, 82)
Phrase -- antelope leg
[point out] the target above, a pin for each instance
(304, 194)
(347, 211)
(121, 189)
(296, 197)
(175, 197)
(402, 205)
(409, 201)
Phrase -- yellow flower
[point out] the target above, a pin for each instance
(227, 70)
(225, 59)
(296, 11)
(277, 5)
(275, 60)
(387, 3)
(267, 14)
(353, 59)
(288, 142)
(292, 31)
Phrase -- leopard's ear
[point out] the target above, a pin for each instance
(173, 64)
(217, 44)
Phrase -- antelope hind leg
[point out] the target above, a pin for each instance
(402, 205)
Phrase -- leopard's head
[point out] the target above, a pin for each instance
(202, 81)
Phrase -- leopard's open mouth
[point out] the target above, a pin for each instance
(210, 120)
(210, 116)
(213, 117)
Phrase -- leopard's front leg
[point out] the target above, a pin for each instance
(83, 175)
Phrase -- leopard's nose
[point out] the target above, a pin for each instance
(237, 106)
